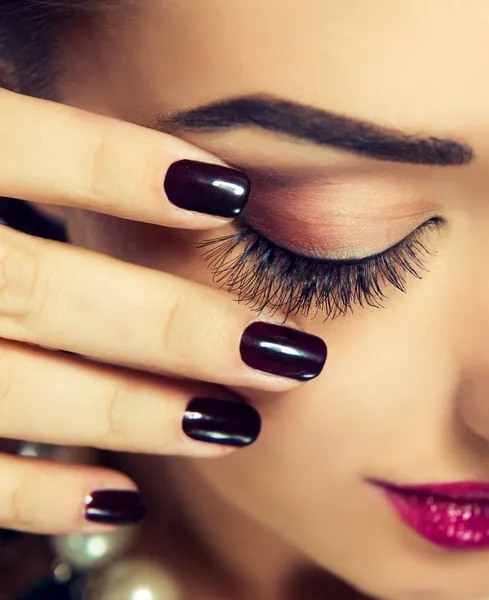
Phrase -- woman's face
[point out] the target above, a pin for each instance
(404, 395)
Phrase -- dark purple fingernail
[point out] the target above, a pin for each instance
(221, 422)
(207, 188)
(115, 507)
(283, 351)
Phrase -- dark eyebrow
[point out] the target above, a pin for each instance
(321, 127)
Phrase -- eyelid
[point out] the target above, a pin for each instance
(347, 261)
(265, 276)
(357, 261)
(347, 220)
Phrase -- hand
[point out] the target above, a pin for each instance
(153, 325)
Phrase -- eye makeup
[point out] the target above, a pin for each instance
(312, 242)
(331, 218)
(268, 277)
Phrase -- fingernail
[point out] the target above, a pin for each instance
(114, 507)
(283, 351)
(221, 422)
(207, 188)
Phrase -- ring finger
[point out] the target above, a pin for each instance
(66, 400)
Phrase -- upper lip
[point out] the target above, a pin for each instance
(458, 490)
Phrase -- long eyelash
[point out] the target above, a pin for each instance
(266, 276)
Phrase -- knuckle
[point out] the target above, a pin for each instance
(23, 284)
(21, 512)
(96, 189)
(6, 381)
(117, 430)
(172, 335)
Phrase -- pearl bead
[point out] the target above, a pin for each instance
(84, 552)
(134, 580)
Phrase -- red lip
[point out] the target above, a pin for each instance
(452, 515)
(465, 490)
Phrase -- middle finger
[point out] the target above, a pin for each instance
(72, 299)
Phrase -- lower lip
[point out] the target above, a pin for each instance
(460, 524)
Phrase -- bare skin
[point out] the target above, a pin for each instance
(403, 396)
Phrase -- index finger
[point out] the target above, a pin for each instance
(56, 154)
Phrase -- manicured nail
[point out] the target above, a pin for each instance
(283, 351)
(207, 188)
(221, 422)
(114, 507)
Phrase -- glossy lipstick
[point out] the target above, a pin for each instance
(452, 515)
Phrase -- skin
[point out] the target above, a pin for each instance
(403, 397)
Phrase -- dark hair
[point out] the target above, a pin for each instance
(29, 39)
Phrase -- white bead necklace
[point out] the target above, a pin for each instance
(107, 576)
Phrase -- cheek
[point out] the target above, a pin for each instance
(383, 386)
(382, 408)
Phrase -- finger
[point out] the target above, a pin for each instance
(50, 498)
(52, 398)
(75, 158)
(71, 299)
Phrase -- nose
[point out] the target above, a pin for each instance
(469, 325)
(473, 402)
(472, 397)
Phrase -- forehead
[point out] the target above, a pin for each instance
(412, 64)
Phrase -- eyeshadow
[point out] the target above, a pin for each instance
(340, 221)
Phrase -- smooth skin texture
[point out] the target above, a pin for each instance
(404, 397)
(128, 316)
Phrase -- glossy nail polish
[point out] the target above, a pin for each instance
(114, 507)
(221, 422)
(207, 188)
(283, 351)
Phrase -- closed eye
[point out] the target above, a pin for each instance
(268, 277)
